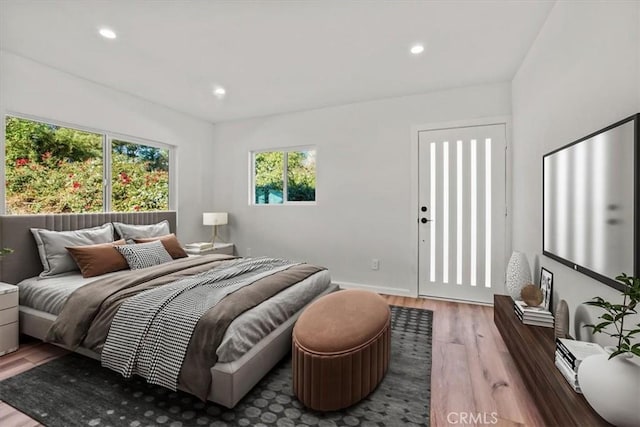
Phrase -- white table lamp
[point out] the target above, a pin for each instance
(215, 219)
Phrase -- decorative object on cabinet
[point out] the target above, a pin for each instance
(569, 356)
(610, 381)
(616, 315)
(533, 315)
(562, 320)
(215, 219)
(611, 387)
(546, 286)
(518, 274)
(531, 295)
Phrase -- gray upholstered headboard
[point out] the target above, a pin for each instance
(25, 262)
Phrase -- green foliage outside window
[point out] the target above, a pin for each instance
(52, 169)
(139, 178)
(269, 177)
(269, 167)
(301, 176)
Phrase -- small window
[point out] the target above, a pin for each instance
(139, 177)
(284, 177)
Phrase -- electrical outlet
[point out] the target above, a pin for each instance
(248, 251)
(375, 264)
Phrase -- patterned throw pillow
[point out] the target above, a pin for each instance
(144, 255)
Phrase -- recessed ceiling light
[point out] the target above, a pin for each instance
(219, 92)
(417, 49)
(107, 33)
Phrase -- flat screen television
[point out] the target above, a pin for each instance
(591, 203)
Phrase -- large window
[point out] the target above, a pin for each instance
(58, 169)
(284, 177)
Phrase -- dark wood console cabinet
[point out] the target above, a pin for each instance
(533, 349)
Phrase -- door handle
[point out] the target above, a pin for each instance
(425, 220)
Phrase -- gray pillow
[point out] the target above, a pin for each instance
(52, 246)
(144, 255)
(129, 232)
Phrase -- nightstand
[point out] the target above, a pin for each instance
(8, 318)
(218, 248)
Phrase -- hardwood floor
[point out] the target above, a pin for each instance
(474, 380)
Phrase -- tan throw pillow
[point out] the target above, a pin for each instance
(96, 260)
(170, 243)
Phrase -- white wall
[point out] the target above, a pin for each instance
(28, 87)
(581, 74)
(364, 182)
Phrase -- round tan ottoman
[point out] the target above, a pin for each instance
(341, 348)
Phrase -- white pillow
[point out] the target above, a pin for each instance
(129, 232)
(144, 255)
(52, 246)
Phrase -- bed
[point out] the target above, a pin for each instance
(252, 344)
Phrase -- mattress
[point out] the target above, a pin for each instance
(50, 294)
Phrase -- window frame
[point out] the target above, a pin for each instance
(107, 139)
(285, 170)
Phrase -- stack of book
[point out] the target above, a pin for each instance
(569, 355)
(536, 316)
(198, 247)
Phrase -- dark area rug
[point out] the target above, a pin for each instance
(77, 391)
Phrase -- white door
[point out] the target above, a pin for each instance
(462, 173)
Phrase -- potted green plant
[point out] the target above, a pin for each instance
(610, 381)
(616, 314)
(5, 251)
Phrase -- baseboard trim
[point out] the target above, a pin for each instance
(458, 300)
(377, 289)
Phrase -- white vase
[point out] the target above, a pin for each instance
(612, 387)
(518, 274)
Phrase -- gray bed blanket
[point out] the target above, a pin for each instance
(90, 311)
(150, 332)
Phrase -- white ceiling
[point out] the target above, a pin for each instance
(271, 56)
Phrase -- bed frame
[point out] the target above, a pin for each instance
(231, 381)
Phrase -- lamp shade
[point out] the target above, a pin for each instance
(518, 274)
(214, 218)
